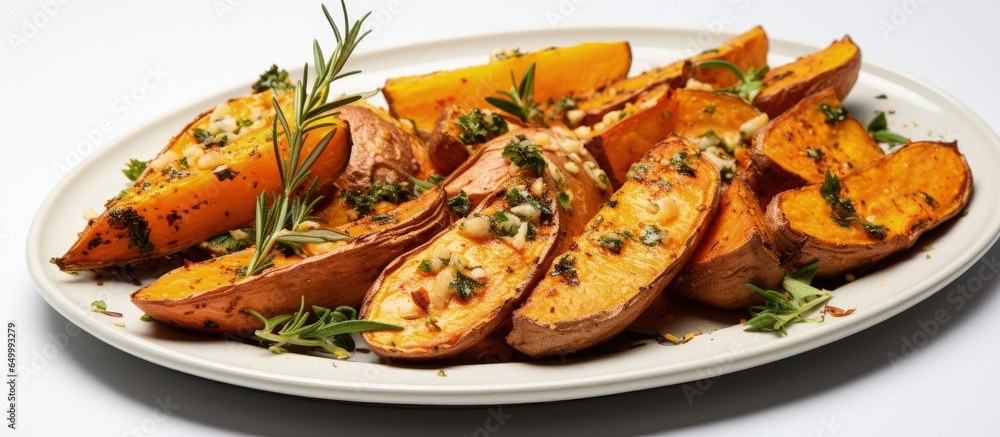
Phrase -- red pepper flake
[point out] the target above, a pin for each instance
(838, 312)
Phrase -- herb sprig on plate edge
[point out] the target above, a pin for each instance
(780, 309)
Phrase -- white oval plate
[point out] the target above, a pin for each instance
(921, 112)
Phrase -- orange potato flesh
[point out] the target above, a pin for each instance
(687, 113)
(836, 66)
(328, 274)
(508, 270)
(746, 50)
(183, 211)
(559, 72)
(616, 95)
(780, 160)
(614, 288)
(908, 191)
(735, 250)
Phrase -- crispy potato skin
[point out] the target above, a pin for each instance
(562, 72)
(615, 96)
(836, 66)
(745, 50)
(383, 150)
(447, 151)
(909, 191)
(736, 250)
(463, 323)
(687, 113)
(778, 157)
(210, 297)
(179, 212)
(563, 316)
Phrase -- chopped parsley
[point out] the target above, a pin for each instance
(562, 105)
(425, 266)
(525, 154)
(614, 241)
(564, 202)
(878, 128)
(98, 306)
(815, 154)
(833, 114)
(274, 79)
(843, 208)
(501, 226)
(137, 226)
(478, 127)
(202, 136)
(929, 200)
(680, 163)
(133, 169)
(727, 173)
(710, 109)
(229, 243)
(651, 235)
(464, 285)
(565, 267)
(507, 54)
(183, 163)
(517, 197)
(460, 204)
(378, 192)
(637, 171)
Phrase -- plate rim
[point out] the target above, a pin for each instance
(525, 392)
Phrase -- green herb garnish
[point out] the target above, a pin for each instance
(379, 192)
(477, 127)
(525, 154)
(748, 85)
(651, 235)
(460, 204)
(815, 154)
(425, 266)
(565, 267)
(137, 226)
(98, 306)
(637, 171)
(330, 332)
(133, 169)
(614, 241)
(843, 208)
(780, 309)
(275, 78)
(464, 285)
(563, 198)
(519, 99)
(517, 197)
(727, 173)
(833, 114)
(879, 130)
(680, 163)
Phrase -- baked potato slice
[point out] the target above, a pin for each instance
(459, 133)
(736, 250)
(211, 296)
(629, 252)
(455, 290)
(799, 146)
(561, 72)
(836, 66)
(869, 214)
(204, 182)
(383, 149)
(745, 50)
(703, 117)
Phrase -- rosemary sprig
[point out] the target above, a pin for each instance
(278, 221)
(331, 332)
(749, 84)
(780, 309)
(519, 101)
(878, 128)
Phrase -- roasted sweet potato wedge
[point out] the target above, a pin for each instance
(836, 66)
(560, 72)
(799, 146)
(700, 116)
(203, 183)
(212, 297)
(631, 249)
(458, 133)
(880, 209)
(453, 291)
(735, 250)
(383, 151)
(745, 50)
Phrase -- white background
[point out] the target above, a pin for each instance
(66, 78)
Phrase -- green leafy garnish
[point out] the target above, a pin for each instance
(146, 318)
(501, 225)
(561, 106)
(565, 267)
(379, 192)
(833, 114)
(331, 332)
(273, 78)
(277, 219)
(651, 235)
(564, 201)
(464, 285)
(781, 309)
(749, 84)
(98, 306)
(203, 136)
(680, 163)
(637, 171)
(879, 130)
(460, 204)
(478, 127)
(133, 169)
(519, 102)
(425, 266)
(507, 54)
(614, 241)
(137, 226)
(228, 243)
(843, 208)
(525, 154)
(727, 173)
(517, 197)
(815, 154)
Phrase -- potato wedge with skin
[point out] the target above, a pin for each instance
(836, 66)
(437, 321)
(560, 72)
(194, 189)
(211, 297)
(383, 151)
(736, 250)
(447, 144)
(631, 250)
(907, 192)
(688, 113)
(798, 147)
(613, 97)
(745, 50)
